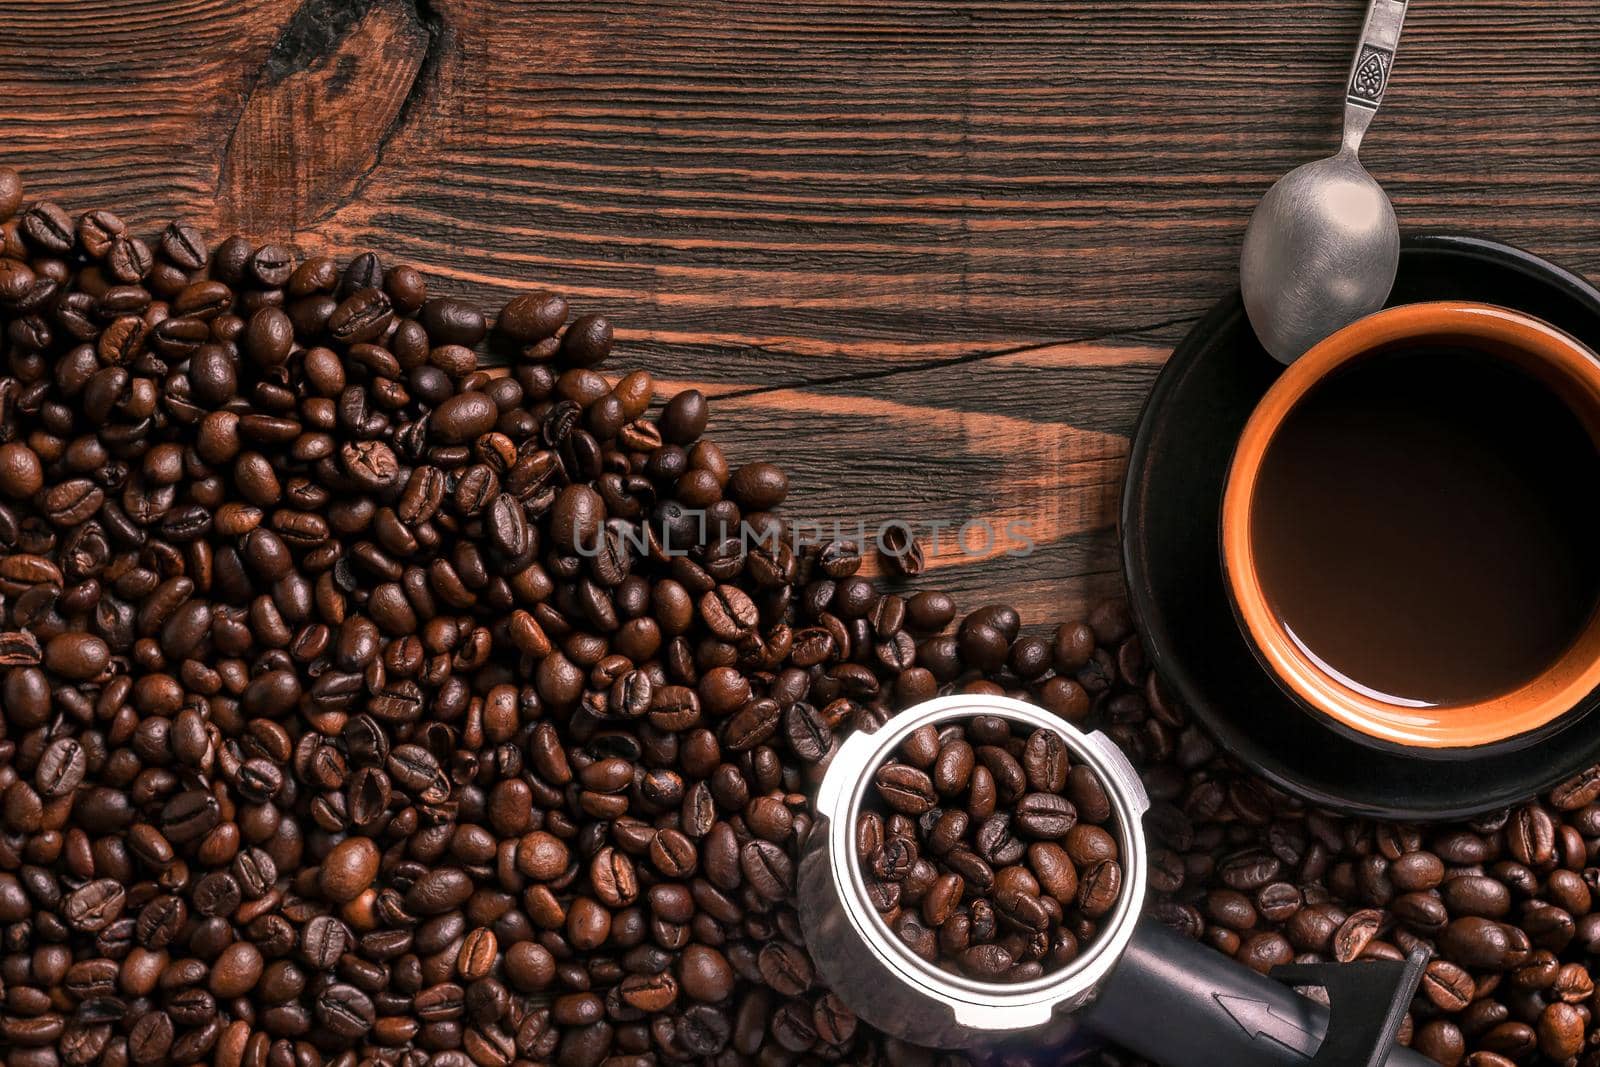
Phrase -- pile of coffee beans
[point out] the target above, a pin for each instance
(989, 852)
(365, 703)
(382, 682)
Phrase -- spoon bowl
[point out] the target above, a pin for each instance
(1323, 246)
(1321, 251)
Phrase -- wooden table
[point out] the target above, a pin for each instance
(930, 253)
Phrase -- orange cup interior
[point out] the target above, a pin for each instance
(1565, 366)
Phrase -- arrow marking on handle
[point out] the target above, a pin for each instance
(1257, 1018)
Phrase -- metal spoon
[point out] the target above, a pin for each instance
(1323, 246)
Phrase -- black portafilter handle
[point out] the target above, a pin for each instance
(1182, 1004)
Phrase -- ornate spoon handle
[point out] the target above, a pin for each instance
(1369, 71)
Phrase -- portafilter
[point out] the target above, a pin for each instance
(1137, 984)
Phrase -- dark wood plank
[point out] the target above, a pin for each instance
(930, 221)
(285, 166)
(1014, 464)
(822, 183)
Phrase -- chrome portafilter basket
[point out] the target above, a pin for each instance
(885, 982)
(1137, 983)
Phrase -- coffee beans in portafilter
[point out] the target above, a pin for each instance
(977, 859)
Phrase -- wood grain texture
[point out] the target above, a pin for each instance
(934, 251)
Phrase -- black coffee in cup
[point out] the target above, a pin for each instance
(1426, 525)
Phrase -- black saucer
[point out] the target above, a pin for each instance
(1170, 503)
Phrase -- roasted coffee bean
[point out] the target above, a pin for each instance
(323, 940)
(785, 968)
(453, 321)
(477, 956)
(237, 970)
(464, 417)
(21, 471)
(150, 1039)
(612, 875)
(1045, 761)
(1578, 791)
(1560, 1031)
(807, 732)
(439, 1003)
(48, 228)
(1278, 901)
(768, 869)
(905, 789)
(10, 192)
(728, 612)
(1355, 934)
(1416, 871)
(255, 872)
(362, 316)
(76, 656)
(987, 962)
(348, 869)
(995, 842)
(1476, 895)
(1481, 943)
(1447, 985)
(533, 317)
(1045, 815)
(95, 906)
(61, 768)
(438, 891)
(970, 866)
(1530, 836)
(684, 418)
(345, 1011)
(1099, 888)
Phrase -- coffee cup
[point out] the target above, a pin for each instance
(1406, 527)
